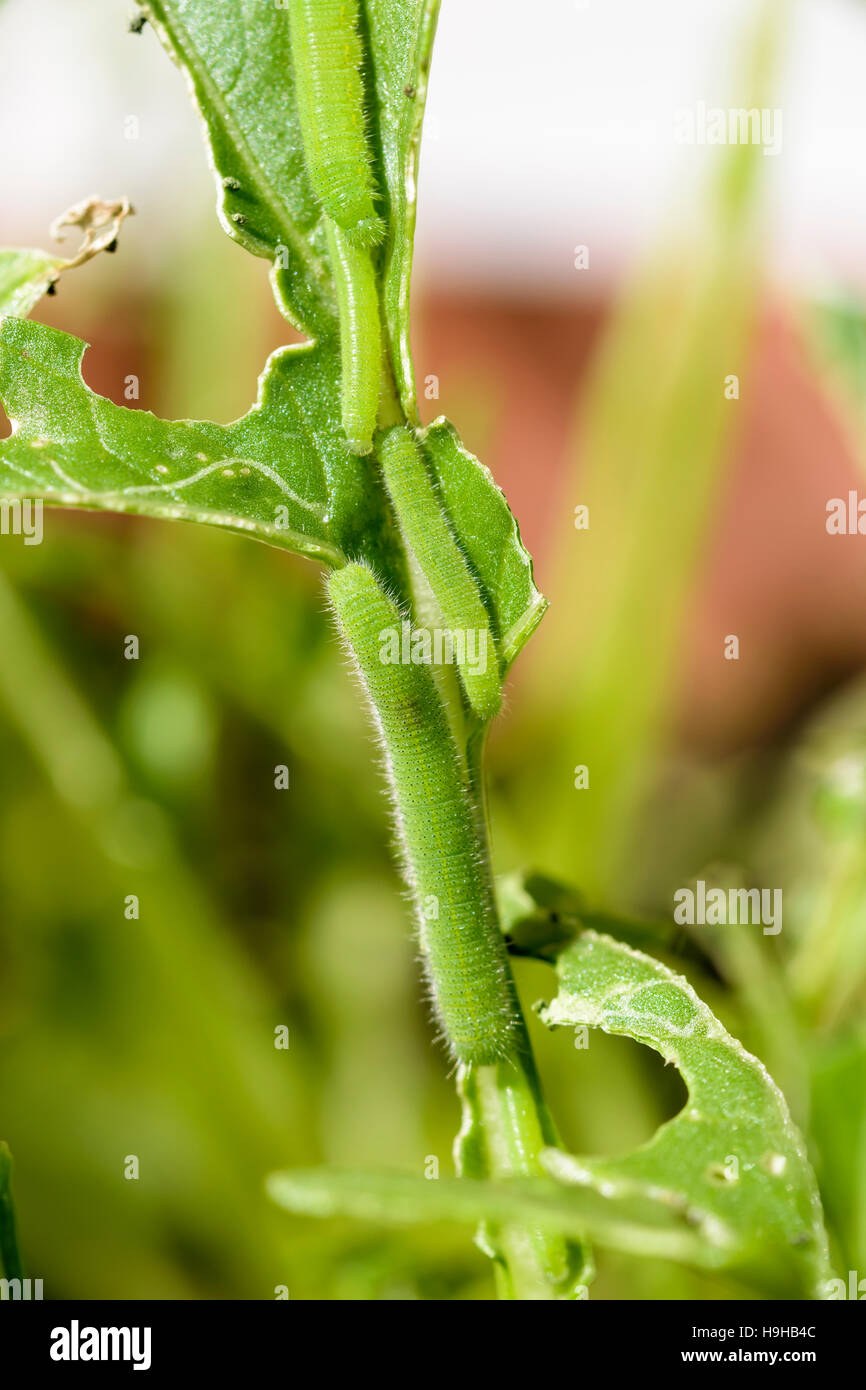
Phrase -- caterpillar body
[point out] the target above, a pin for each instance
(326, 58)
(432, 541)
(466, 961)
(360, 337)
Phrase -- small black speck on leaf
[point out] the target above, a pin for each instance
(112, 246)
(137, 23)
(52, 288)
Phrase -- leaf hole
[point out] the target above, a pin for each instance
(609, 1093)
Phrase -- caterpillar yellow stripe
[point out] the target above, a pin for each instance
(468, 968)
(360, 337)
(326, 60)
(432, 541)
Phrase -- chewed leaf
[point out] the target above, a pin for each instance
(238, 66)
(281, 473)
(490, 539)
(725, 1186)
(10, 1260)
(733, 1158)
(237, 60)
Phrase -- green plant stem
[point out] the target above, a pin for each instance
(506, 1121)
(10, 1255)
(506, 1126)
(443, 830)
(514, 1123)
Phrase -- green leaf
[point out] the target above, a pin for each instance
(401, 41)
(635, 1226)
(25, 276)
(725, 1186)
(10, 1260)
(732, 1158)
(237, 62)
(490, 538)
(280, 473)
(539, 914)
(285, 459)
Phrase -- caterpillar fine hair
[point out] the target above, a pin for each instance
(466, 961)
(360, 337)
(427, 532)
(326, 58)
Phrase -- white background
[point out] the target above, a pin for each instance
(549, 124)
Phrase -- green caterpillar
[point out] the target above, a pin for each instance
(427, 532)
(326, 58)
(360, 338)
(468, 968)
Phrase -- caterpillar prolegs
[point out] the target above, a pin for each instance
(466, 961)
(326, 58)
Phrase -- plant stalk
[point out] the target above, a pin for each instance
(439, 813)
